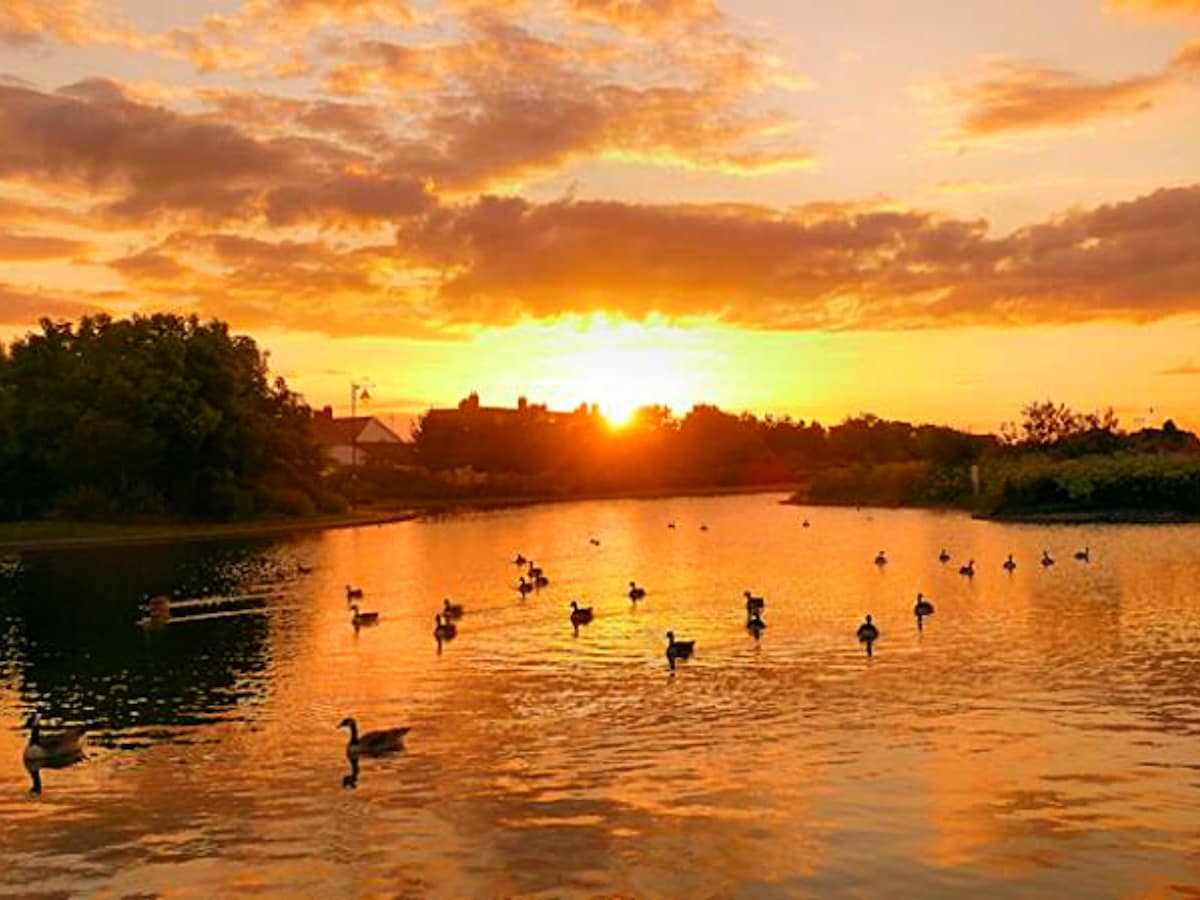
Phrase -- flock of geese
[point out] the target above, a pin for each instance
(55, 750)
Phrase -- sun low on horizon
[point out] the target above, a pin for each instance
(802, 209)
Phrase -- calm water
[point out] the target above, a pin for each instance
(1039, 735)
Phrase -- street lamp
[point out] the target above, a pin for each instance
(358, 391)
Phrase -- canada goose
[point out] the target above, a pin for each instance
(944, 556)
(372, 743)
(62, 746)
(754, 604)
(519, 560)
(1083, 555)
(671, 524)
(678, 649)
(580, 615)
(540, 581)
(451, 610)
(867, 631)
(968, 569)
(353, 593)
(880, 559)
(804, 524)
(595, 542)
(754, 623)
(524, 586)
(704, 528)
(923, 607)
(534, 571)
(444, 630)
(636, 593)
(1010, 563)
(359, 619)
(1047, 559)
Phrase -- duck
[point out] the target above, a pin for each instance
(519, 560)
(353, 593)
(359, 619)
(1010, 563)
(880, 559)
(755, 623)
(451, 610)
(968, 569)
(636, 593)
(678, 649)
(753, 604)
(59, 747)
(944, 556)
(1047, 559)
(580, 615)
(372, 743)
(867, 631)
(523, 586)
(923, 607)
(444, 630)
(1083, 555)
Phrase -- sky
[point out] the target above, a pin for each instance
(926, 210)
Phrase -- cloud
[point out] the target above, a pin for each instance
(23, 307)
(1155, 7)
(24, 22)
(1019, 97)
(30, 246)
(647, 18)
(1187, 368)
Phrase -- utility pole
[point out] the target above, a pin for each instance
(358, 390)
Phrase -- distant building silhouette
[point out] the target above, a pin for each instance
(356, 440)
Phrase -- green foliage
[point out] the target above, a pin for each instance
(149, 416)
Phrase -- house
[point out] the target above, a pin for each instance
(352, 441)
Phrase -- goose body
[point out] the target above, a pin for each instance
(46, 748)
(1083, 555)
(867, 631)
(636, 593)
(372, 743)
(944, 556)
(519, 560)
(755, 624)
(1047, 559)
(880, 558)
(804, 524)
(580, 615)
(535, 572)
(595, 542)
(451, 610)
(923, 607)
(444, 630)
(670, 524)
(704, 528)
(359, 619)
(540, 581)
(353, 593)
(523, 586)
(968, 569)
(678, 649)
(1010, 563)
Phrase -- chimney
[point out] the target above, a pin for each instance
(326, 413)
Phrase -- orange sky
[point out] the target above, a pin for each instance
(927, 210)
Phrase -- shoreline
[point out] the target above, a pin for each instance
(50, 534)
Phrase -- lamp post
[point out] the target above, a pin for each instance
(358, 391)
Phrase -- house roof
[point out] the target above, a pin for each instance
(340, 432)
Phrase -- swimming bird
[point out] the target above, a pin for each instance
(451, 610)
(867, 632)
(968, 569)
(944, 556)
(519, 560)
(880, 559)
(671, 524)
(1083, 555)
(534, 571)
(524, 586)
(1047, 559)
(755, 623)
(540, 581)
(444, 630)
(704, 527)
(636, 593)
(353, 593)
(580, 615)
(754, 604)
(51, 748)
(1010, 563)
(595, 542)
(923, 607)
(372, 743)
(678, 649)
(359, 619)
(804, 524)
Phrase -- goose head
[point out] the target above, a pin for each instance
(671, 636)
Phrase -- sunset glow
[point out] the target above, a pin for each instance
(779, 207)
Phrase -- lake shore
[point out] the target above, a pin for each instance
(1034, 517)
(50, 534)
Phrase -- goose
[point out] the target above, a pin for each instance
(804, 524)
(636, 593)
(704, 528)
(1047, 559)
(524, 586)
(1083, 555)
(353, 593)
(867, 632)
(944, 556)
(880, 559)
(45, 748)
(580, 615)
(923, 607)
(534, 571)
(755, 624)
(519, 560)
(968, 569)
(372, 743)
(754, 604)
(678, 649)
(160, 609)
(1010, 563)
(359, 619)
(540, 581)
(444, 630)
(595, 542)
(451, 610)
(671, 524)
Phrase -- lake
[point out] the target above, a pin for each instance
(1038, 735)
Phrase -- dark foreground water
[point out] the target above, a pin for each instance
(1039, 736)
